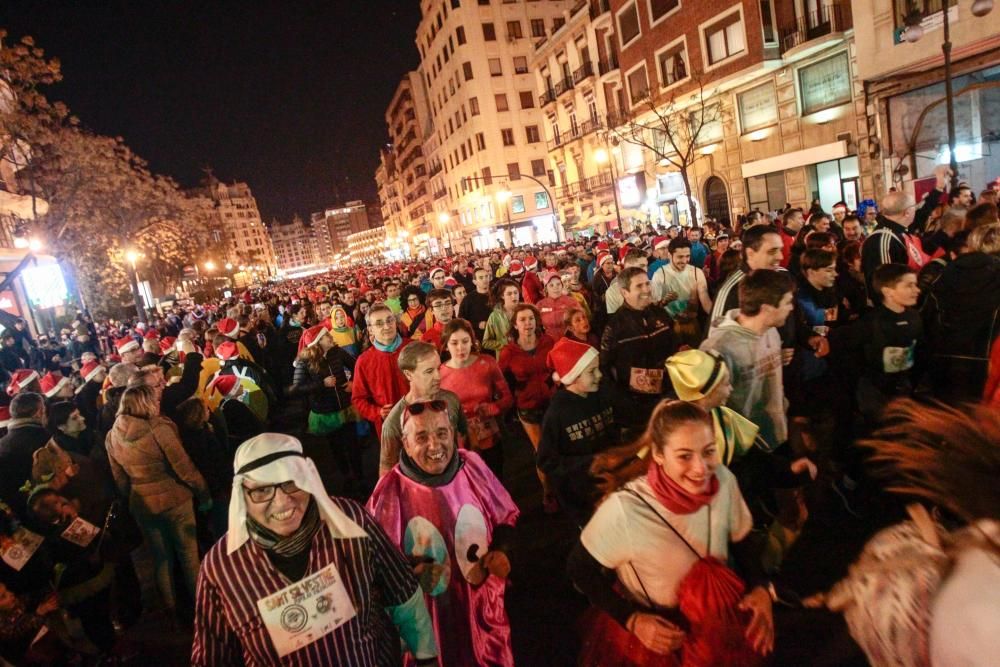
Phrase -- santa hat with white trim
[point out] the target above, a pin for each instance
(604, 257)
(568, 358)
(126, 344)
(516, 268)
(20, 379)
(660, 242)
(89, 370)
(51, 384)
(227, 351)
(312, 336)
(531, 263)
(228, 327)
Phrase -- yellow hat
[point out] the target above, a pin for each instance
(695, 373)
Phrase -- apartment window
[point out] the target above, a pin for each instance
(638, 84)
(673, 65)
(489, 32)
(531, 131)
(541, 200)
(520, 65)
(538, 168)
(513, 171)
(825, 84)
(517, 201)
(628, 24)
(507, 135)
(705, 124)
(724, 39)
(501, 100)
(903, 7)
(538, 27)
(758, 107)
(767, 22)
(484, 2)
(487, 176)
(514, 30)
(464, 155)
(467, 71)
(495, 68)
(474, 106)
(455, 4)
(527, 99)
(460, 35)
(660, 8)
(558, 23)
(480, 141)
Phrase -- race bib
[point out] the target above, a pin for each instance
(306, 611)
(897, 359)
(81, 532)
(18, 549)
(646, 380)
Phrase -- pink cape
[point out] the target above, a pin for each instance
(470, 623)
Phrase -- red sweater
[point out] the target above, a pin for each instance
(532, 383)
(479, 384)
(377, 382)
(433, 335)
(532, 289)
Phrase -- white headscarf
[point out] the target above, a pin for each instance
(274, 458)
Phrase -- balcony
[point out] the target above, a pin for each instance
(598, 7)
(618, 117)
(435, 170)
(439, 194)
(564, 85)
(587, 186)
(581, 130)
(829, 19)
(609, 64)
(585, 70)
(548, 97)
(579, 6)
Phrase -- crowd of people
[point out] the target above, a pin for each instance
(689, 394)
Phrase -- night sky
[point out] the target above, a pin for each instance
(287, 96)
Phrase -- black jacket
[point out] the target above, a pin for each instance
(476, 310)
(16, 451)
(309, 384)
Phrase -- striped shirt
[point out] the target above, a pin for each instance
(229, 630)
(728, 296)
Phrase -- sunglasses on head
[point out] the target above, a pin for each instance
(437, 405)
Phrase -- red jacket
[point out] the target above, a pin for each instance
(377, 382)
(528, 373)
(532, 289)
(788, 240)
(991, 391)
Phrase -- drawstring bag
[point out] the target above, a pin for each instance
(708, 596)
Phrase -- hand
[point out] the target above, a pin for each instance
(384, 411)
(496, 563)
(329, 381)
(786, 355)
(817, 601)
(669, 296)
(48, 605)
(760, 630)
(348, 386)
(820, 346)
(805, 465)
(942, 175)
(205, 506)
(657, 634)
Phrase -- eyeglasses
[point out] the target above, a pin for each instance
(387, 322)
(442, 304)
(263, 494)
(414, 409)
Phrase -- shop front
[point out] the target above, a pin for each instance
(827, 173)
(33, 288)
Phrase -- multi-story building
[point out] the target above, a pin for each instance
(904, 81)
(295, 246)
(367, 246)
(337, 223)
(245, 240)
(576, 70)
(760, 97)
(486, 157)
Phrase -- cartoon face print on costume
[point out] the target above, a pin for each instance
(426, 549)
(471, 541)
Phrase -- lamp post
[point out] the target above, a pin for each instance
(133, 256)
(601, 156)
(504, 196)
(913, 32)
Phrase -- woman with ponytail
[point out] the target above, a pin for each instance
(651, 559)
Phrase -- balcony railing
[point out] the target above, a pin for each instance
(618, 117)
(598, 7)
(439, 194)
(826, 20)
(587, 186)
(581, 130)
(548, 97)
(435, 170)
(582, 4)
(609, 64)
(564, 85)
(585, 70)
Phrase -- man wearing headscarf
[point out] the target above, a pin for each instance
(295, 579)
(455, 521)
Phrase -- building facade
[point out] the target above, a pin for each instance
(337, 223)
(756, 102)
(486, 156)
(904, 82)
(295, 246)
(367, 246)
(245, 240)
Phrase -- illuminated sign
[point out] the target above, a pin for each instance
(45, 286)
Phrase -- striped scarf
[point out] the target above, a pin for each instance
(291, 545)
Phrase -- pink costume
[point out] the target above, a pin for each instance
(454, 525)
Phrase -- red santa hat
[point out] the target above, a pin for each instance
(126, 344)
(568, 358)
(312, 336)
(603, 257)
(229, 327)
(20, 379)
(624, 250)
(550, 276)
(4, 416)
(152, 334)
(435, 270)
(531, 263)
(660, 242)
(51, 384)
(516, 268)
(602, 246)
(450, 283)
(227, 351)
(227, 386)
(89, 370)
(166, 343)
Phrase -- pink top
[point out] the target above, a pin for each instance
(553, 311)
(479, 384)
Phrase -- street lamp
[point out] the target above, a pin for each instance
(229, 266)
(210, 265)
(913, 32)
(601, 156)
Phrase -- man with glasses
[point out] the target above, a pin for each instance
(295, 578)
(455, 522)
(442, 307)
(378, 382)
